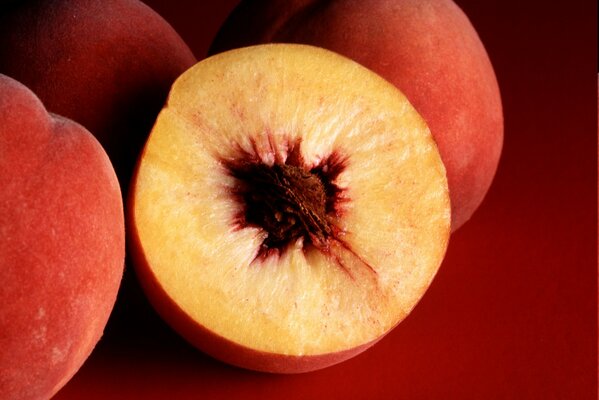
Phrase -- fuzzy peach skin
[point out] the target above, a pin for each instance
(106, 64)
(427, 48)
(61, 248)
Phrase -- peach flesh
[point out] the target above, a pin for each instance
(220, 347)
(282, 307)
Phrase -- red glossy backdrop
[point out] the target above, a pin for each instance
(512, 313)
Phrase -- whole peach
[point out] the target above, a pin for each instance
(62, 245)
(106, 64)
(427, 48)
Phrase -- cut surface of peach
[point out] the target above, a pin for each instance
(290, 202)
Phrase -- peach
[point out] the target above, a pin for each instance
(106, 64)
(62, 247)
(289, 208)
(428, 49)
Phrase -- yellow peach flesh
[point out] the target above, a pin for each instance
(304, 303)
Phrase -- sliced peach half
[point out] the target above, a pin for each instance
(289, 209)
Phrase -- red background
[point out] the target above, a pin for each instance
(512, 313)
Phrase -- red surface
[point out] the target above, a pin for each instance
(512, 313)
